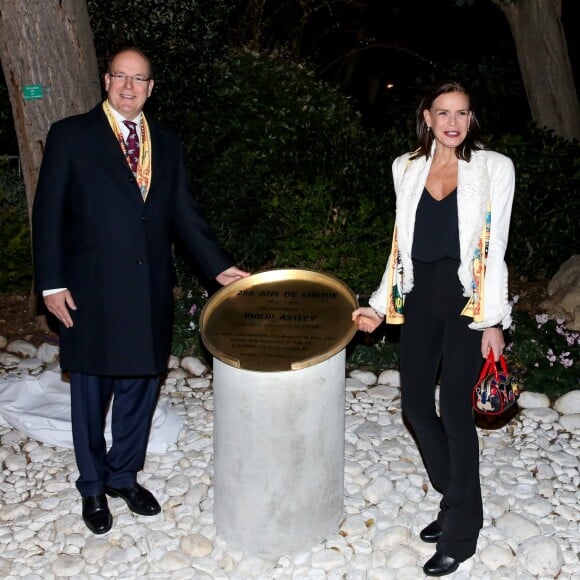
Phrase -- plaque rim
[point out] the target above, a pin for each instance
(273, 275)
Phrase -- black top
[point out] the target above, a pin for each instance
(436, 228)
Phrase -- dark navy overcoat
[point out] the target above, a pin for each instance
(93, 234)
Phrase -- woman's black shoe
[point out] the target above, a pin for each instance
(431, 533)
(440, 565)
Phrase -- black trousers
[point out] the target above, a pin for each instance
(134, 401)
(435, 340)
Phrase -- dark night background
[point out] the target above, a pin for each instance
(382, 51)
(408, 41)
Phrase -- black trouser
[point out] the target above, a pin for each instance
(134, 402)
(434, 333)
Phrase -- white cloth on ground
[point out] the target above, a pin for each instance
(40, 407)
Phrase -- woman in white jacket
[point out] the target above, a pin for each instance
(447, 280)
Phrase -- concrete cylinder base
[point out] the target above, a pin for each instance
(278, 455)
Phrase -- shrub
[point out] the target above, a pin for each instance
(543, 232)
(182, 37)
(15, 258)
(544, 354)
(285, 167)
(287, 176)
(375, 352)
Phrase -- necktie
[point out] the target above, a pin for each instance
(132, 145)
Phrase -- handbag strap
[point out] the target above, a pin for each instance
(503, 365)
(487, 366)
(491, 364)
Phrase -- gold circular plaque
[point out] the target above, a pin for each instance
(279, 320)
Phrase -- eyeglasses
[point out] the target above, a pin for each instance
(139, 80)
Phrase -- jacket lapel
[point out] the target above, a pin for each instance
(408, 195)
(106, 143)
(104, 138)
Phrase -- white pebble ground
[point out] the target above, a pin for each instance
(529, 472)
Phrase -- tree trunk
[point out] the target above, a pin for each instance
(50, 67)
(536, 26)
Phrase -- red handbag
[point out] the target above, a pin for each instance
(495, 390)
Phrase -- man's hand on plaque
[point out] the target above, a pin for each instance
(230, 275)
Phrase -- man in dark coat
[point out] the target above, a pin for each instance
(111, 198)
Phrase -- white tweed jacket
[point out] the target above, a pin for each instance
(488, 178)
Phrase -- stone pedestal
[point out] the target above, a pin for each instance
(278, 455)
(278, 339)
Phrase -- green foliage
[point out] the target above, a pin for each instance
(544, 355)
(15, 258)
(182, 38)
(544, 226)
(186, 335)
(288, 175)
(8, 144)
(375, 352)
(320, 234)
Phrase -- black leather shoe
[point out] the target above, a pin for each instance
(440, 565)
(96, 514)
(139, 499)
(431, 533)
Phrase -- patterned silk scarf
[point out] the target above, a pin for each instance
(395, 297)
(144, 170)
(474, 307)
